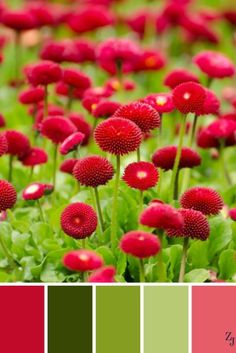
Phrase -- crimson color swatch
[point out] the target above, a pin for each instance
(213, 318)
(22, 319)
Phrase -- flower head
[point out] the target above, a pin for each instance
(79, 220)
(43, 73)
(164, 158)
(82, 260)
(71, 143)
(82, 126)
(178, 76)
(118, 136)
(105, 108)
(214, 64)
(7, 195)
(32, 95)
(76, 78)
(57, 128)
(161, 216)
(3, 145)
(211, 104)
(142, 114)
(222, 128)
(93, 171)
(33, 191)
(141, 175)
(150, 60)
(196, 225)
(68, 165)
(232, 214)
(35, 156)
(19, 20)
(161, 102)
(140, 244)
(105, 274)
(203, 199)
(18, 143)
(189, 97)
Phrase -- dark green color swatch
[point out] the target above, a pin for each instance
(118, 319)
(166, 319)
(69, 319)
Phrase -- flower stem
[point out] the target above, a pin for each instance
(161, 271)
(183, 260)
(40, 211)
(83, 243)
(115, 204)
(224, 169)
(31, 174)
(70, 99)
(10, 170)
(141, 271)
(99, 209)
(55, 166)
(178, 156)
(193, 130)
(138, 155)
(176, 188)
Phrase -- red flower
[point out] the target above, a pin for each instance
(118, 136)
(52, 110)
(90, 18)
(35, 156)
(142, 114)
(229, 116)
(33, 192)
(105, 109)
(161, 102)
(232, 214)
(115, 55)
(214, 64)
(222, 129)
(178, 76)
(71, 143)
(19, 20)
(82, 260)
(93, 171)
(189, 97)
(104, 274)
(43, 14)
(138, 21)
(207, 139)
(57, 128)
(76, 78)
(82, 126)
(79, 220)
(140, 244)
(18, 143)
(3, 145)
(203, 199)
(164, 158)
(2, 121)
(7, 195)
(196, 225)
(114, 85)
(211, 104)
(32, 95)
(68, 165)
(43, 73)
(161, 216)
(141, 175)
(150, 60)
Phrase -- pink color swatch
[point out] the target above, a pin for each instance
(213, 319)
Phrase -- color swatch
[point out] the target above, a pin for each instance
(213, 319)
(69, 319)
(118, 320)
(166, 320)
(22, 319)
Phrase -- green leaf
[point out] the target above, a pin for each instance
(107, 255)
(121, 264)
(220, 235)
(227, 264)
(196, 276)
(175, 253)
(198, 254)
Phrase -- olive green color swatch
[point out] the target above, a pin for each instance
(118, 319)
(165, 319)
(69, 319)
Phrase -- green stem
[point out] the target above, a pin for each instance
(55, 166)
(40, 211)
(223, 168)
(99, 209)
(138, 155)
(178, 155)
(161, 271)
(176, 186)
(141, 271)
(183, 260)
(115, 203)
(140, 201)
(10, 170)
(45, 101)
(31, 174)
(193, 130)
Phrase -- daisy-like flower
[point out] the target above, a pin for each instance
(142, 114)
(7, 195)
(161, 216)
(82, 126)
(82, 260)
(93, 171)
(118, 136)
(32, 95)
(43, 73)
(189, 97)
(232, 214)
(140, 244)
(57, 128)
(214, 64)
(222, 128)
(150, 60)
(19, 20)
(71, 143)
(105, 108)
(141, 175)
(79, 220)
(18, 143)
(3, 145)
(211, 104)
(164, 158)
(35, 156)
(68, 165)
(33, 191)
(178, 76)
(161, 102)
(203, 199)
(105, 274)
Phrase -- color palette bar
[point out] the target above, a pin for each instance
(22, 319)
(166, 320)
(118, 319)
